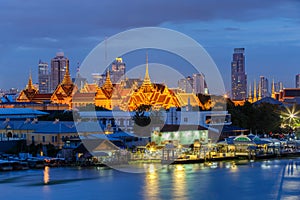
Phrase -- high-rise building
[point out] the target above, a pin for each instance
(264, 87)
(43, 77)
(118, 68)
(278, 86)
(186, 84)
(238, 75)
(198, 83)
(58, 69)
(298, 81)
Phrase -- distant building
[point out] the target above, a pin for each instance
(290, 95)
(199, 83)
(298, 81)
(61, 96)
(264, 87)
(118, 68)
(98, 78)
(43, 77)
(186, 84)
(58, 69)
(79, 81)
(195, 84)
(278, 86)
(238, 75)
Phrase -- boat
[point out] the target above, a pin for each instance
(36, 163)
(5, 165)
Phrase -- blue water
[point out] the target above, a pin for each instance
(274, 179)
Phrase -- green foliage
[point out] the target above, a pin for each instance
(143, 123)
(262, 118)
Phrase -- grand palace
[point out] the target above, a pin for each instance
(127, 95)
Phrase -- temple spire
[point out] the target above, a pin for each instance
(107, 83)
(67, 78)
(147, 80)
(273, 89)
(250, 94)
(30, 84)
(254, 92)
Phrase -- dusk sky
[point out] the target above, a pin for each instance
(268, 30)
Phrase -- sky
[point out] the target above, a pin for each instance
(269, 30)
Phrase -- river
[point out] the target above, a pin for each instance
(272, 179)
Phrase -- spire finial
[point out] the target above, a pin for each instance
(30, 85)
(273, 89)
(254, 91)
(67, 77)
(259, 90)
(250, 93)
(107, 83)
(147, 77)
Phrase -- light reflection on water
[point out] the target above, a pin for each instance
(179, 180)
(46, 175)
(275, 179)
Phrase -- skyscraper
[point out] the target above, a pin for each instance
(58, 68)
(264, 85)
(238, 75)
(198, 83)
(43, 77)
(278, 86)
(117, 70)
(298, 81)
(186, 84)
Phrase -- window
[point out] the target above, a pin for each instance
(32, 139)
(185, 119)
(52, 138)
(44, 139)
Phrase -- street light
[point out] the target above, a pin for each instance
(290, 117)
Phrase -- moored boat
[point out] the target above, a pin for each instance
(5, 165)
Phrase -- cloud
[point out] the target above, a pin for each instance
(232, 29)
(34, 29)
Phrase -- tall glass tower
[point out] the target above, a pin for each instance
(238, 75)
(44, 77)
(58, 69)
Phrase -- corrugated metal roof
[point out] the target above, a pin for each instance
(20, 113)
(57, 127)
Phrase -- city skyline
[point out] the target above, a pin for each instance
(268, 31)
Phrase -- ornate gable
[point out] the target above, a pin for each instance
(65, 91)
(28, 93)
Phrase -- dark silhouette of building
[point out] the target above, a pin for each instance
(238, 75)
(298, 81)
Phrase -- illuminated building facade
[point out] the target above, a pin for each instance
(264, 86)
(58, 69)
(43, 77)
(65, 91)
(118, 68)
(238, 75)
(128, 95)
(62, 95)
